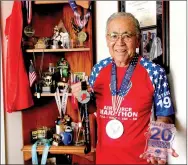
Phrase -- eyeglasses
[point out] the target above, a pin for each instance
(126, 37)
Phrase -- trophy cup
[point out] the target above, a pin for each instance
(63, 68)
(47, 81)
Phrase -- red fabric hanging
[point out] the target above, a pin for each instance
(17, 92)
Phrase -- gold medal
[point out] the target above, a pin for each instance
(29, 31)
(82, 36)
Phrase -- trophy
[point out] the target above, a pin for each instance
(47, 81)
(41, 43)
(63, 68)
(61, 37)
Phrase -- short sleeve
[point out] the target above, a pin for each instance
(162, 97)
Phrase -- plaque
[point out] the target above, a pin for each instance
(159, 140)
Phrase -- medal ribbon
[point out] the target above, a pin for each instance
(80, 22)
(47, 146)
(29, 11)
(64, 102)
(117, 96)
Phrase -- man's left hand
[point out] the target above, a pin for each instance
(155, 160)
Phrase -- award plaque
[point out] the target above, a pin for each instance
(159, 140)
(29, 31)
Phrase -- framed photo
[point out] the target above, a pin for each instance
(153, 17)
(147, 43)
(78, 76)
(144, 11)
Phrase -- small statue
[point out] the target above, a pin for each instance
(63, 67)
(60, 38)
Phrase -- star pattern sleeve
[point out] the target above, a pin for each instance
(96, 70)
(162, 97)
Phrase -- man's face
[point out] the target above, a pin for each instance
(124, 48)
(149, 35)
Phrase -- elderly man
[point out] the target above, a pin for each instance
(126, 87)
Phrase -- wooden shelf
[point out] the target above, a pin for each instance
(82, 3)
(38, 2)
(57, 50)
(50, 94)
(75, 150)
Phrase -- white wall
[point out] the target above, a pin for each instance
(2, 158)
(177, 76)
(103, 10)
(13, 121)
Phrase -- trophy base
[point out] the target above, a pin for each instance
(46, 89)
(54, 47)
(79, 143)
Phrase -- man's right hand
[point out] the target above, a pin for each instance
(75, 90)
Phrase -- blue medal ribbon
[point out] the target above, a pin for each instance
(80, 20)
(46, 143)
(126, 79)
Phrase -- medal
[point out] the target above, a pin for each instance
(29, 31)
(114, 129)
(83, 97)
(80, 20)
(82, 36)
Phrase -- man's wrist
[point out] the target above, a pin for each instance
(165, 119)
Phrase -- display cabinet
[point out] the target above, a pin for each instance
(45, 16)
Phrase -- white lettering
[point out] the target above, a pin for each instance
(164, 94)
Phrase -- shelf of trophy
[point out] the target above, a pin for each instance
(50, 2)
(74, 150)
(84, 4)
(45, 94)
(57, 50)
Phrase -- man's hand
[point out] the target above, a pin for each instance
(75, 90)
(155, 160)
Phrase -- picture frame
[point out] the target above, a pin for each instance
(160, 23)
(148, 36)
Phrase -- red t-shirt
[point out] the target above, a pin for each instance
(146, 88)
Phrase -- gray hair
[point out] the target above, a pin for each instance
(124, 14)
